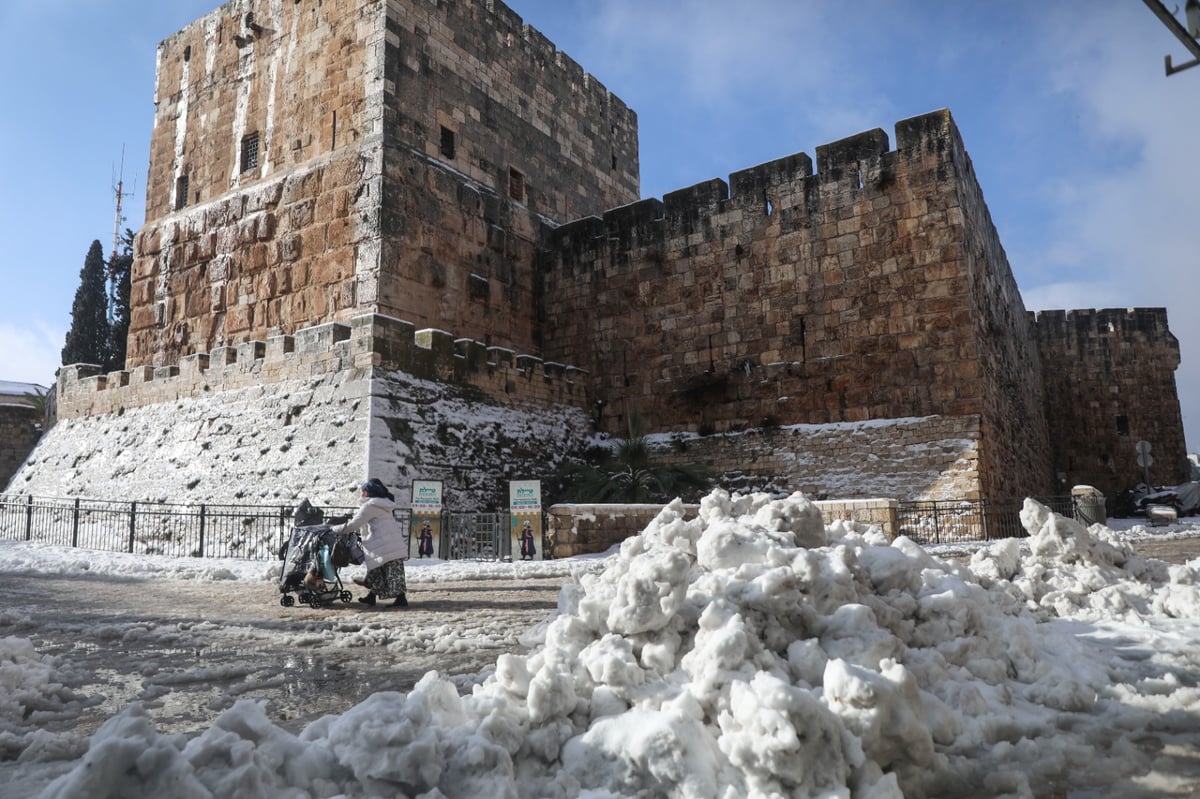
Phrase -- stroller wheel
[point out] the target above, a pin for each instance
(287, 600)
(346, 596)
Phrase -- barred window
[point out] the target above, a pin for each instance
(250, 151)
(181, 190)
(516, 185)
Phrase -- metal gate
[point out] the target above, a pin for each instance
(475, 536)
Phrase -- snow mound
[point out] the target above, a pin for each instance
(748, 652)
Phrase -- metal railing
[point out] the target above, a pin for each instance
(252, 532)
(476, 536)
(957, 521)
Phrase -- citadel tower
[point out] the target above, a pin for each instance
(313, 161)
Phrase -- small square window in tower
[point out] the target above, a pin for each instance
(516, 185)
(249, 151)
(447, 146)
(181, 191)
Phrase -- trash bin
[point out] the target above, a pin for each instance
(1089, 505)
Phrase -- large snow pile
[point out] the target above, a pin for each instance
(752, 652)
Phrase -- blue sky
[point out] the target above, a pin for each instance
(1084, 148)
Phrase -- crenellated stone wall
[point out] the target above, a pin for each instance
(311, 415)
(1110, 383)
(875, 289)
(370, 344)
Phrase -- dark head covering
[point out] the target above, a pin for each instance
(374, 488)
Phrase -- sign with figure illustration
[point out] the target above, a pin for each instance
(525, 511)
(426, 518)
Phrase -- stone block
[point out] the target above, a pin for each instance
(250, 351)
(222, 356)
(321, 338)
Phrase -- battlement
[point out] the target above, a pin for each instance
(1129, 334)
(786, 185)
(1110, 382)
(1127, 323)
(541, 54)
(370, 343)
(478, 88)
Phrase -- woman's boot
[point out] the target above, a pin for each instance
(400, 601)
(369, 599)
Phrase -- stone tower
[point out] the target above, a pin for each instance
(314, 161)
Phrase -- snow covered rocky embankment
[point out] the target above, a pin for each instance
(752, 652)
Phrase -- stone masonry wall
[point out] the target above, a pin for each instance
(927, 458)
(275, 258)
(793, 298)
(509, 101)
(456, 254)
(369, 342)
(352, 200)
(312, 415)
(300, 76)
(20, 429)
(1014, 451)
(581, 529)
(1110, 382)
(267, 129)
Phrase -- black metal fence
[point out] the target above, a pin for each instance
(253, 532)
(956, 521)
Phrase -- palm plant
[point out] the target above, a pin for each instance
(628, 476)
(37, 400)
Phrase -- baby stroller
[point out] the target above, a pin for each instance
(311, 559)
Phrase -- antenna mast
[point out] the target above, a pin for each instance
(118, 190)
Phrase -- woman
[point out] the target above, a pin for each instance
(385, 545)
(528, 550)
(425, 547)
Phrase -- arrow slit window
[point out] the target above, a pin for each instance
(1122, 425)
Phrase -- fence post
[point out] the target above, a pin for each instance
(284, 529)
(75, 525)
(132, 521)
(29, 518)
(202, 529)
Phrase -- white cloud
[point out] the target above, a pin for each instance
(1124, 233)
(30, 355)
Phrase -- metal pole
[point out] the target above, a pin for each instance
(202, 517)
(132, 524)
(29, 518)
(75, 525)
(285, 534)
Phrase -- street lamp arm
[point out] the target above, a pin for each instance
(1180, 33)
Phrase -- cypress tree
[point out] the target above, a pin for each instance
(119, 270)
(88, 339)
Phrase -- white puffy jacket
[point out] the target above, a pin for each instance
(385, 540)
